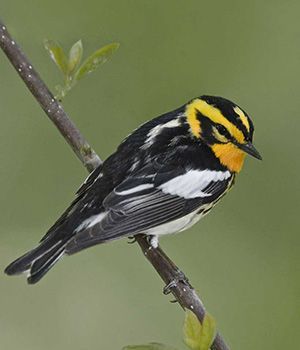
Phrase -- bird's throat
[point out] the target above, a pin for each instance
(229, 156)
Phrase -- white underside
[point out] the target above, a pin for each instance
(177, 225)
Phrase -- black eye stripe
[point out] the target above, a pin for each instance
(223, 131)
(227, 107)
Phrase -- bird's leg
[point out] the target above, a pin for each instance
(178, 277)
(153, 241)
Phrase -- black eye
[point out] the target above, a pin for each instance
(222, 130)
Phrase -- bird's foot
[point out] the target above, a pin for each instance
(179, 277)
(131, 240)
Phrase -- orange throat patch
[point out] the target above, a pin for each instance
(230, 156)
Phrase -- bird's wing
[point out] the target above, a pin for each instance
(81, 192)
(150, 199)
(89, 181)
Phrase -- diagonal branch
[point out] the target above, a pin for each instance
(168, 271)
(45, 98)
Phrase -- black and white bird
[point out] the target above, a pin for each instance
(162, 179)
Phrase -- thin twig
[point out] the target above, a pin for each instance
(183, 292)
(168, 271)
(47, 101)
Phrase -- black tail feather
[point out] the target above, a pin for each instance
(42, 265)
(23, 263)
(38, 261)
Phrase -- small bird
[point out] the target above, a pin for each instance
(164, 177)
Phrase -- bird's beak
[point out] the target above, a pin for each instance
(250, 149)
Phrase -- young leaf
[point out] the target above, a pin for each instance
(150, 346)
(191, 330)
(95, 60)
(208, 332)
(75, 56)
(197, 336)
(57, 54)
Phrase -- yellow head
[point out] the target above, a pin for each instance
(224, 127)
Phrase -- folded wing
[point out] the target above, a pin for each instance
(150, 199)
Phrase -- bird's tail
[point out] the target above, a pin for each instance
(37, 262)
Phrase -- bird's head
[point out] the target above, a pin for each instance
(224, 127)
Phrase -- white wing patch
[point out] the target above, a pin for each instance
(192, 183)
(91, 221)
(135, 189)
(157, 130)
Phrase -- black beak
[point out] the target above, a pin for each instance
(250, 149)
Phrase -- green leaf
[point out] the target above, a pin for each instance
(197, 336)
(191, 330)
(57, 54)
(208, 332)
(75, 56)
(150, 346)
(95, 60)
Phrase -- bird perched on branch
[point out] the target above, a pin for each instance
(162, 179)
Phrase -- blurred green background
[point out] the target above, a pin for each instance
(243, 258)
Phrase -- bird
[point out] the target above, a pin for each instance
(163, 178)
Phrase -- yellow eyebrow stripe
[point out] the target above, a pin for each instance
(242, 116)
(192, 120)
(213, 114)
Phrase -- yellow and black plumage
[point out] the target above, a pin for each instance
(162, 179)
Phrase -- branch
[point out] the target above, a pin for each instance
(52, 108)
(168, 271)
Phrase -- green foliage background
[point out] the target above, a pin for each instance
(243, 258)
